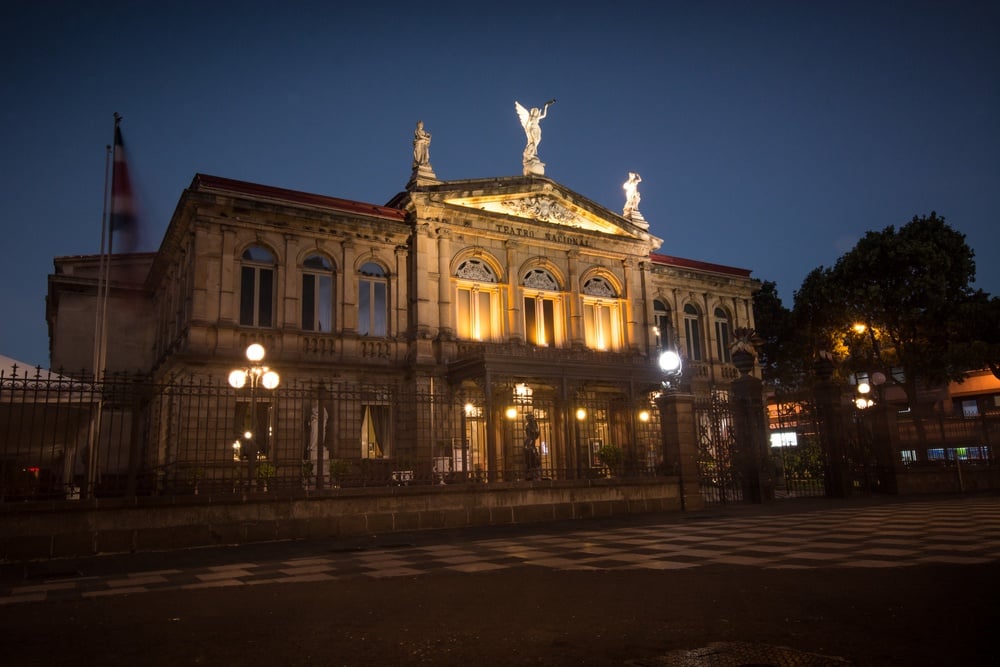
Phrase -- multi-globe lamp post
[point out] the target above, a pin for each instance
(669, 403)
(256, 375)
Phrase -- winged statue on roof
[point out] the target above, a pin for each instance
(531, 121)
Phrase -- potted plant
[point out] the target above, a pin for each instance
(194, 475)
(265, 471)
(611, 456)
(744, 349)
(338, 470)
(307, 474)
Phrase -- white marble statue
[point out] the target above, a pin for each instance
(631, 187)
(531, 121)
(421, 146)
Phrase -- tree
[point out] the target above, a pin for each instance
(780, 352)
(978, 334)
(908, 290)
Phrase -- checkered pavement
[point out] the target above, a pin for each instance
(955, 531)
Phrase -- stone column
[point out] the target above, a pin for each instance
(349, 288)
(446, 316)
(633, 307)
(577, 337)
(514, 304)
(680, 445)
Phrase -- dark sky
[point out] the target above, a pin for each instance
(769, 135)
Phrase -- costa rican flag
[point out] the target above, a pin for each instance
(124, 225)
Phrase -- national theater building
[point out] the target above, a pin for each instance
(418, 332)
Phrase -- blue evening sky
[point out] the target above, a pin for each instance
(769, 135)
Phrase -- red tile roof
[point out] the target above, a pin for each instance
(700, 266)
(205, 182)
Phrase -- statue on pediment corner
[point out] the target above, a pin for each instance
(632, 197)
(422, 151)
(631, 187)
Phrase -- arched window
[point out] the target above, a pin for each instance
(317, 294)
(692, 332)
(373, 301)
(257, 287)
(601, 315)
(722, 335)
(478, 301)
(663, 328)
(541, 308)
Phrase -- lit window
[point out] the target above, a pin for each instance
(722, 328)
(375, 429)
(373, 310)
(317, 294)
(692, 332)
(601, 321)
(540, 309)
(257, 288)
(478, 301)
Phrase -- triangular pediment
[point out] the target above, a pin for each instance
(522, 201)
(532, 198)
(542, 207)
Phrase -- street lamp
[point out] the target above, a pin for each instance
(862, 401)
(668, 401)
(582, 452)
(256, 375)
(671, 367)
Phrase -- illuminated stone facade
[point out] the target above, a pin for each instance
(478, 288)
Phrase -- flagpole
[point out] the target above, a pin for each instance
(102, 359)
(101, 319)
(104, 259)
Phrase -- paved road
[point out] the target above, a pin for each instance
(867, 582)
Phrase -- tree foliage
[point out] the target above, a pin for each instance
(910, 289)
(780, 352)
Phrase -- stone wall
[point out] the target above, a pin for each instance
(84, 528)
(949, 479)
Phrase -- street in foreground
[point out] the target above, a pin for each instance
(877, 583)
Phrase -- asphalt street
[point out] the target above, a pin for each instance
(856, 582)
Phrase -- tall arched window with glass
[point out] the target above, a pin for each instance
(601, 315)
(478, 301)
(723, 331)
(257, 287)
(317, 294)
(692, 332)
(663, 328)
(541, 308)
(373, 300)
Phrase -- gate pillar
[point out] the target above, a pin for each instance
(679, 434)
(833, 439)
(750, 426)
(885, 430)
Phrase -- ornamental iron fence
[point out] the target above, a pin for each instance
(64, 437)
